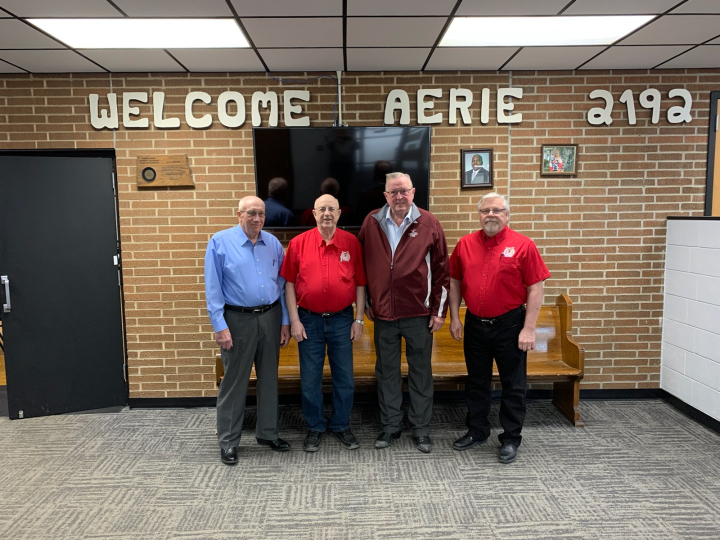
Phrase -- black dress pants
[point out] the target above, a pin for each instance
(483, 342)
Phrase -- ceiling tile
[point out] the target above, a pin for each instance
(303, 59)
(676, 29)
(288, 8)
(553, 58)
(394, 32)
(50, 61)
(466, 58)
(15, 34)
(60, 8)
(295, 32)
(619, 7)
(133, 60)
(698, 6)
(7, 68)
(174, 8)
(359, 8)
(387, 59)
(634, 57)
(704, 56)
(214, 60)
(510, 7)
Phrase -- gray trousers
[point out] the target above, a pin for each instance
(256, 339)
(418, 350)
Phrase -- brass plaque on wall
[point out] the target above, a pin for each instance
(163, 171)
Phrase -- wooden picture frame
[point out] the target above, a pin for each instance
(558, 159)
(483, 177)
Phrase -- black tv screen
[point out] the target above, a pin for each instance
(347, 162)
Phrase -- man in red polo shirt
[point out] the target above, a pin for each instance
(499, 273)
(324, 271)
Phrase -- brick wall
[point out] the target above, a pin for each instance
(602, 233)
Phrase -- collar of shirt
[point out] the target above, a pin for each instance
(321, 240)
(244, 238)
(498, 238)
(391, 221)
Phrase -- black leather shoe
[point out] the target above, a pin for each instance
(508, 453)
(278, 444)
(385, 439)
(347, 439)
(312, 441)
(423, 443)
(228, 456)
(468, 441)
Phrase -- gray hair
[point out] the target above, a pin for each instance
(394, 175)
(493, 195)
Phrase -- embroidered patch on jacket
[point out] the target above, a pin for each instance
(413, 233)
(345, 256)
(509, 252)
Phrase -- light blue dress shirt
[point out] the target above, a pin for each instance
(395, 232)
(242, 274)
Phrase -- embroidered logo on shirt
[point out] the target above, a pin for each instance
(509, 252)
(345, 256)
(413, 233)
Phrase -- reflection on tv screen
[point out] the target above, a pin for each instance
(294, 166)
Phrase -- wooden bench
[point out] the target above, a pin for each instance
(557, 359)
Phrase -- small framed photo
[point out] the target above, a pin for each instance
(476, 168)
(558, 160)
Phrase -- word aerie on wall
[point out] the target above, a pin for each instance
(101, 119)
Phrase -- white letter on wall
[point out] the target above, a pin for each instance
(462, 106)
(485, 106)
(627, 98)
(158, 105)
(678, 114)
(205, 120)
(101, 120)
(423, 105)
(397, 100)
(225, 119)
(266, 99)
(128, 110)
(650, 99)
(289, 108)
(601, 115)
(503, 118)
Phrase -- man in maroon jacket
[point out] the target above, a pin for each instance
(408, 280)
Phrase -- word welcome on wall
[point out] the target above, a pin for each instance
(459, 104)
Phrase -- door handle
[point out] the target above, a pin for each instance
(6, 281)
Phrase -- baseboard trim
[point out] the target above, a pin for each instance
(688, 410)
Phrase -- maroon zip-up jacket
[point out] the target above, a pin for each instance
(413, 283)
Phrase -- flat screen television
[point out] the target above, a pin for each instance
(347, 162)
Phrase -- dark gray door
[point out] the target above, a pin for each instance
(64, 338)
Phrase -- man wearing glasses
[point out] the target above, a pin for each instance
(500, 274)
(246, 304)
(408, 279)
(324, 275)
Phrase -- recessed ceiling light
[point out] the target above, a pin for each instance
(144, 33)
(539, 31)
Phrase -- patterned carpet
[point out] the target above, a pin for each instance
(638, 470)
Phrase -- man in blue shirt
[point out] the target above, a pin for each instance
(276, 213)
(246, 304)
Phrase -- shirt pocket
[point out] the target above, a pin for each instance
(509, 270)
(345, 271)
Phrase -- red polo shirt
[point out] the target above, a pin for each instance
(495, 272)
(325, 274)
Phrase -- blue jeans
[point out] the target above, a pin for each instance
(333, 332)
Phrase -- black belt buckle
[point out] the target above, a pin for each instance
(326, 315)
(259, 310)
(487, 322)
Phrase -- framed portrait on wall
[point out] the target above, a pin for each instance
(476, 168)
(558, 159)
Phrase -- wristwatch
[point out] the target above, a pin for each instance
(359, 321)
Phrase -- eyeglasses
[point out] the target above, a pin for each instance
(486, 211)
(395, 192)
(323, 209)
(253, 213)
